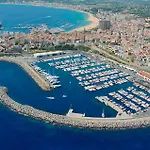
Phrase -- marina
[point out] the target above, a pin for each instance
(92, 76)
(119, 103)
(53, 80)
(100, 80)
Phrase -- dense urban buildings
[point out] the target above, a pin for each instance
(128, 38)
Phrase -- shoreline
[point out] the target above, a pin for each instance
(92, 25)
(91, 18)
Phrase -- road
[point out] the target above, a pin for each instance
(119, 60)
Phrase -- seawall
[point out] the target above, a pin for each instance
(91, 123)
(28, 69)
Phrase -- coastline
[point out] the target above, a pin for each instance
(91, 18)
(92, 25)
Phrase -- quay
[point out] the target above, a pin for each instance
(83, 122)
(43, 84)
(103, 99)
(76, 115)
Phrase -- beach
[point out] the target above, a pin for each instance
(91, 18)
(93, 21)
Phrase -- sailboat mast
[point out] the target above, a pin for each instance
(103, 114)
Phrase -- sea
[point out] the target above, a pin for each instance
(19, 18)
(23, 133)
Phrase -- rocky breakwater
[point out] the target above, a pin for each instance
(92, 123)
(28, 69)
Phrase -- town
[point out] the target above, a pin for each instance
(124, 36)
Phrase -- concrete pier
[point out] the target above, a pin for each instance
(108, 103)
(28, 69)
(75, 115)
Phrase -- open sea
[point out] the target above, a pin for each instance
(13, 16)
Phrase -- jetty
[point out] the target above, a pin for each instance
(104, 99)
(73, 114)
(82, 122)
(29, 70)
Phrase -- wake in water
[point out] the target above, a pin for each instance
(29, 24)
(37, 19)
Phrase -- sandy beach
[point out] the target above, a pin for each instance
(91, 18)
(94, 23)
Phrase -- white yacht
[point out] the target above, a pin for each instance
(64, 96)
(52, 98)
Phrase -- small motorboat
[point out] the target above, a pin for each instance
(52, 98)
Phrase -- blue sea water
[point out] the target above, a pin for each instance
(22, 133)
(13, 15)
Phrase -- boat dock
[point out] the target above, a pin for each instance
(92, 75)
(75, 115)
(105, 99)
(52, 80)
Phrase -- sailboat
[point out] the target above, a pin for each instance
(103, 114)
(84, 113)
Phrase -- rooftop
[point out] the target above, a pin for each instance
(46, 53)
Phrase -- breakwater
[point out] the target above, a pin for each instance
(85, 122)
(28, 69)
